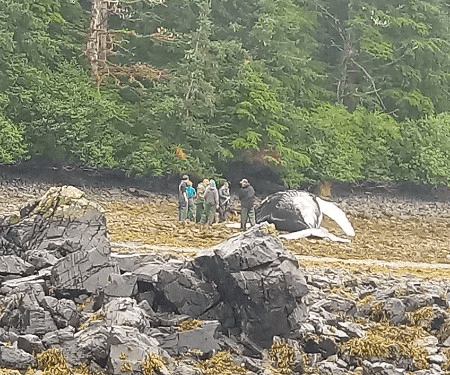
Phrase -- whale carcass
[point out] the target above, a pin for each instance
(301, 213)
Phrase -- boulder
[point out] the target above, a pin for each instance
(82, 271)
(125, 312)
(63, 311)
(13, 357)
(174, 288)
(259, 282)
(62, 221)
(30, 343)
(128, 347)
(13, 265)
(203, 338)
(121, 285)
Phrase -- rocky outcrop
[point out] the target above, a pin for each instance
(245, 306)
(63, 221)
(259, 283)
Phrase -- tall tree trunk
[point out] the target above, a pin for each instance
(99, 39)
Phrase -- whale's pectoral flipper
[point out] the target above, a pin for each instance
(313, 232)
(335, 213)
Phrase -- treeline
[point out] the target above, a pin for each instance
(313, 89)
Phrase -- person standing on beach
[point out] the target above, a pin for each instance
(191, 193)
(247, 198)
(224, 201)
(211, 203)
(200, 200)
(183, 199)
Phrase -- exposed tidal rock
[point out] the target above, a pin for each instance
(83, 271)
(244, 307)
(259, 282)
(13, 357)
(61, 222)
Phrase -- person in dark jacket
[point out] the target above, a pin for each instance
(211, 196)
(224, 201)
(183, 199)
(247, 198)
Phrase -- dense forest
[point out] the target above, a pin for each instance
(313, 90)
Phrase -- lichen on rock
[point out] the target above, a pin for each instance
(65, 202)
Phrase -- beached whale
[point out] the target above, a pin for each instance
(301, 213)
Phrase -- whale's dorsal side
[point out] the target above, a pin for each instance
(295, 211)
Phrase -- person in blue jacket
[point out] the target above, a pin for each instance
(191, 193)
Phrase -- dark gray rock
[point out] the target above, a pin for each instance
(83, 271)
(381, 368)
(415, 301)
(63, 311)
(331, 368)
(62, 221)
(32, 285)
(254, 273)
(352, 329)
(204, 338)
(92, 343)
(36, 321)
(13, 265)
(121, 285)
(40, 258)
(13, 357)
(339, 305)
(125, 312)
(23, 314)
(59, 337)
(131, 262)
(67, 221)
(30, 343)
(322, 345)
(394, 310)
(171, 287)
(129, 346)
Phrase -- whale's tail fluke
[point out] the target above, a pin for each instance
(335, 213)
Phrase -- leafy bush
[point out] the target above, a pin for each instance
(423, 152)
(12, 146)
(67, 119)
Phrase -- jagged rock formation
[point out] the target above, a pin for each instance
(243, 307)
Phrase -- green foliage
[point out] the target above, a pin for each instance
(424, 151)
(347, 146)
(12, 147)
(66, 118)
(399, 56)
(331, 141)
(338, 89)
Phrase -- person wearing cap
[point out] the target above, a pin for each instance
(247, 198)
(211, 196)
(183, 199)
(224, 201)
(191, 193)
(200, 200)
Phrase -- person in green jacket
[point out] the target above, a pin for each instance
(200, 200)
(211, 196)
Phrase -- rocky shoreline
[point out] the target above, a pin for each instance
(247, 306)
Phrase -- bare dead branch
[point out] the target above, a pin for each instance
(375, 90)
